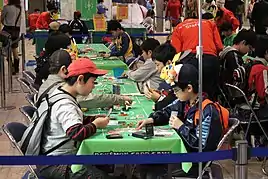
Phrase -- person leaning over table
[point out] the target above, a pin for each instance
(59, 62)
(66, 122)
(122, 45)
(185, 86)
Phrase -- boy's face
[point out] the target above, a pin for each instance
(183, 95)
(159, 66)
(115, 33)
(146, 55)
(227, 33)
(83, 88)
(243, 48)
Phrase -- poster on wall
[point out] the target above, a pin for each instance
(122, 12)
(99, 22)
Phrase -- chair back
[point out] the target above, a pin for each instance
(31, 99)
(34, 88)
(14, 132)
(28, 112)
(234, 91)
(25, 85)
(29, 75)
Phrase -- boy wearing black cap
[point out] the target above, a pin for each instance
(185, 86)
(66, 120)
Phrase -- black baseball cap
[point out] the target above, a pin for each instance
(184, 74)
(60, 58)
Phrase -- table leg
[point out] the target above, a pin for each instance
(169, 175)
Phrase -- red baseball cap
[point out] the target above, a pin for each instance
(84, 65)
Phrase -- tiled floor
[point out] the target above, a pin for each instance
(17, 100)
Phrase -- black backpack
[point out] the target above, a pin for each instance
(241, 76)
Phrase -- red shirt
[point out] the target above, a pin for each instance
(173, 9)
(258, 80)
(185, 37)
(43, 21)
(228, 16)
(32, 19)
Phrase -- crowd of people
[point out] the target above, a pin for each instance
(166, 73)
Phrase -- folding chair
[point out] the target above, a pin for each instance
(25, 85)
(14, 132)
(28, 112)
(235, 93)
(214, 170)
(29, 76)
(31, 99)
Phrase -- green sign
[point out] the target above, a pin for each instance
(87, 7)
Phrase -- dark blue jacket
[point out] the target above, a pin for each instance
(212, 128)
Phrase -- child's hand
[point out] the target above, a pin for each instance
(175, 122)
(101, 122)
(152, 94)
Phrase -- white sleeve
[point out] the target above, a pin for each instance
(67, 114)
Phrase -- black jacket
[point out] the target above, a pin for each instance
(260, 17)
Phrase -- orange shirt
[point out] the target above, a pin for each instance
(43, 21)
(32, 18)
(228, 16)
(185, 37)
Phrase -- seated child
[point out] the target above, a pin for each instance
(228, 33)
(185, 86)
(147, 74)
(164, 95)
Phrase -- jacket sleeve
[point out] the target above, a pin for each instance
(235, 22)
(143, 73)
(3, 15)
(161, 117)
(211, 131)
(100, 100)
(165, 102)
(176, 40)
(124, 48)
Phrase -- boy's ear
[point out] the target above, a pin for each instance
(80, 79)
(150, 52)
(189, 88)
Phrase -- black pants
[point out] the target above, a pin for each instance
(211, 71)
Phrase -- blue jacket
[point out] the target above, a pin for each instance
(212, 128)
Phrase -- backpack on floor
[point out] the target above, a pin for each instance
(32, 138)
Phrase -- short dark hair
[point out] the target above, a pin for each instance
(207, 16)
(150, 13)
(226, 26)
(58, 59)
(14, 2)
(164, 53)
(71, 80)
(149, 44)
(36, 10)
(65, 28)
(183, 86)
(261, 47)
(99, 1)
(113, 25)
(249, 36)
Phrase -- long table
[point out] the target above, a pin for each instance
(102, 63)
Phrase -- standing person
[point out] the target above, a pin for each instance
(11, 19)
(260, 16)
(224, 15)
(78, 27)
(148, 22)
(150, 4)
(183, 39)
(249, 13)
(46, 18)
(173, 12)
(240, 10)
(101, 9)
(32, 19)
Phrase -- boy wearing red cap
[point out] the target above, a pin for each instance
(66, 120)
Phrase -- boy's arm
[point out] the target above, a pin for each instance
(124, 48)
(211, 130)
(217, 38)
(176, 40)
(161, 117)
(261, 83)
(68, 116)
(143, 73)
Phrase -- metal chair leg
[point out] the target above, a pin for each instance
(263, 168)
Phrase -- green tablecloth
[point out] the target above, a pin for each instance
(96, 48)
(99, 145)
(110, 64)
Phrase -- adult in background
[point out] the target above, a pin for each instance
(46, 18)
(32, 19)
(174, 11)
(78, 27)
(11, 19)
(260, 17)
(249, 13)
(183, 39)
